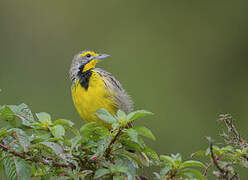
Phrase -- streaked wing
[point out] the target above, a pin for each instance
(122, 99)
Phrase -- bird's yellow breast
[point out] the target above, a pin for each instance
(96, 96)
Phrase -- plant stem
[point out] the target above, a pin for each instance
(34, 159)
(108, 150)
(215, 161)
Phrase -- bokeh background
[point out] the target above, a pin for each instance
(186, 61)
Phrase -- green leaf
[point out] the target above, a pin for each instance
(151, 153)
(168, 159)
(133, 135)
(207, 152)
(58, 131)
(164, 171)
(115, 126)
(131, 145)
(245, 150)
(177, 159)
(121, 114)
(118, 178)
(88, 127)
(64, 122)
(198, 153)
(45, 119)
(227, 149)
(101, 172)
(57, 149)
(191, 163)
(102, 145)
(40, 136)
(4, 131)
(157, 176)
(119, 167)
(74, 142)
(122, 118)
(177, 156)
(23, 112)
(133, 140)
(22, 138)
(136, 114)
(105, 116)
(133, 156)
(102, 131)
(192, 173)
(16, 168)
(68, 125)
(144, 132)
(85, 173)
(7, 114)
(126, 166)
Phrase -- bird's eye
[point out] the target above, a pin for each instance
(88, 55)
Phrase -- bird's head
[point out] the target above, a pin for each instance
(84, 61)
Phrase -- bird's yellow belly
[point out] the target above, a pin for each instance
(87, 102)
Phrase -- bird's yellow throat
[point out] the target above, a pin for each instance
(90, 65)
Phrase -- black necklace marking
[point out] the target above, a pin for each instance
(84, 77)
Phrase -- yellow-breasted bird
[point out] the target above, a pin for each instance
(94, 88)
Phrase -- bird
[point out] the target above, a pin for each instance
(94, 88)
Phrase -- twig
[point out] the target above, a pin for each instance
(34, 159)
(224, 173)
(228, 121)
(108, 150)
(207, 167)
(215, 161)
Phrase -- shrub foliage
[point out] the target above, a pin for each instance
(41, 147)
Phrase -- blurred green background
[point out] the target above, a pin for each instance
(186, 61)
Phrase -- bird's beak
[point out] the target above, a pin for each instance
(101, 56)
